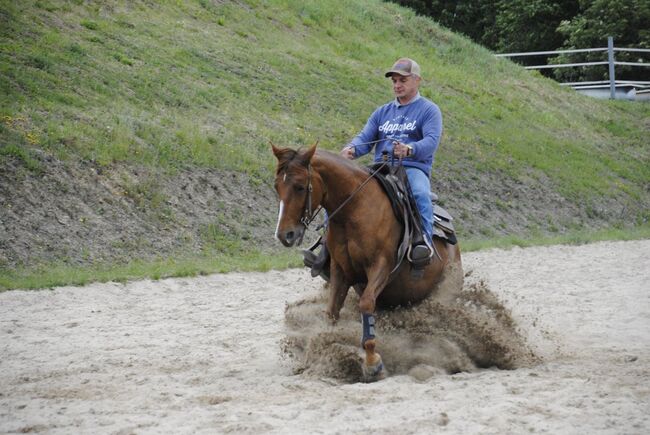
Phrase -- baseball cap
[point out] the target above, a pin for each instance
(404, 67)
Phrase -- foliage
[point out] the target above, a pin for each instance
(625, 20)
(471, 18)
(502, 25)
(523, 25)
(546, 25)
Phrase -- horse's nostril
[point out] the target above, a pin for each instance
(289, 236)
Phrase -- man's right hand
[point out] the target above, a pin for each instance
(347, 152)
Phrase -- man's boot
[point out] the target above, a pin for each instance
(420, 257)
(308, 256)
(421, 254)
(319, 263)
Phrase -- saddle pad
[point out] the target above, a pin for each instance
(396, 192)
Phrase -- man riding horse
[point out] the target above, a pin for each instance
(409, 128)
(364, 231)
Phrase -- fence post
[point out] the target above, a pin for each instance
(610, 60)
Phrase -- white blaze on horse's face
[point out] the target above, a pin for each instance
(289, 229)
(280, 213)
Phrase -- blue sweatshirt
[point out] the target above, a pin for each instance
(418, 124)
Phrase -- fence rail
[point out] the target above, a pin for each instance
(577, 50)
(611, 62)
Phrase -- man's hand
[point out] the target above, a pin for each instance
(401, 150)
(347, 152)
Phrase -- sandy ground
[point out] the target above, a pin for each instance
(206, 355)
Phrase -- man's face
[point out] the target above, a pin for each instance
(405, 88)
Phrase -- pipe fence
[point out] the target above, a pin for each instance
(611, 62)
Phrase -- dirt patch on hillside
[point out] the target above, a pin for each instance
(81, 213)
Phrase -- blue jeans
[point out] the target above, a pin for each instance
(421, 190)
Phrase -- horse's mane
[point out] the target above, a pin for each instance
(291, 158)
(337, 160)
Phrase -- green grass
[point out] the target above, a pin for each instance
(211, 261)
(572, 238)
(187, 266)
(176, 84)
(200, 83)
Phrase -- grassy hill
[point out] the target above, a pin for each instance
(134, 136)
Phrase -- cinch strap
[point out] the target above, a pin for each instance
(368, 322)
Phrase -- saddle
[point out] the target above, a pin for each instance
(395, 183)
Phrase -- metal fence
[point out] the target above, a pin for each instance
(612, 83)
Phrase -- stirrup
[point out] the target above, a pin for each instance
(321, 264)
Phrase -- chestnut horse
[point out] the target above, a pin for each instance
(363, 237)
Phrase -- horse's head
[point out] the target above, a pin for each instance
(300, 190)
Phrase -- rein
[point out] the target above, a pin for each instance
(349, 198)
(309, 215)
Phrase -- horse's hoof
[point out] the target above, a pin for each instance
(373, 373)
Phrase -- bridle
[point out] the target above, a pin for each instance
(308, 215)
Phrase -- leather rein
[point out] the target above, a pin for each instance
(309, 215)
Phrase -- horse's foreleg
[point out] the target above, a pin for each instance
(338, 292)
(373, 367)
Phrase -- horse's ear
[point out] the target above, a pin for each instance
(274, 148)
(307, 155)
(278, 152)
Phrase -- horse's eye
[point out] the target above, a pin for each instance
(299, 188)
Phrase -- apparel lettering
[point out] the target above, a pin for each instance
(388, 128)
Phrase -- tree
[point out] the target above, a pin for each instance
(525, 25)
(625, 20)
(471, 18)
(546, 25)
(502, 25)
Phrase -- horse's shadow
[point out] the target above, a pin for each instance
(455, 329)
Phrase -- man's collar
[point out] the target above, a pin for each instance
(398, 104)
